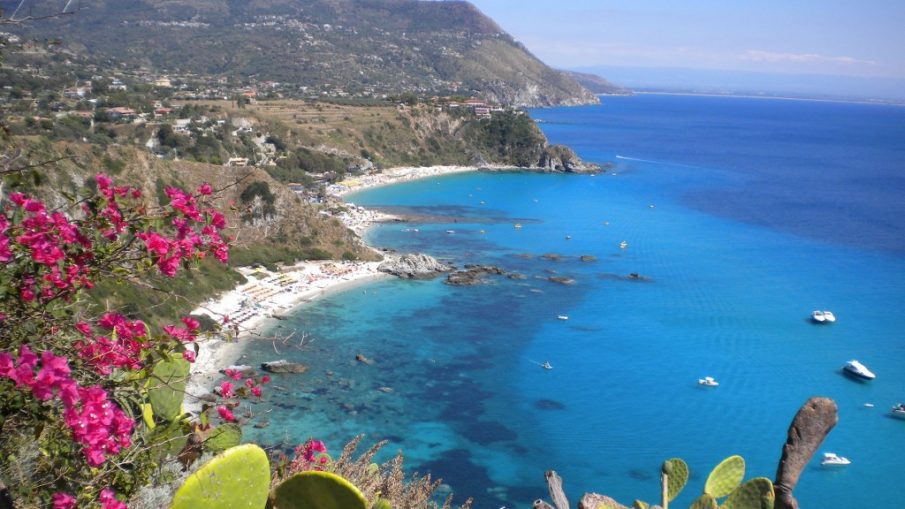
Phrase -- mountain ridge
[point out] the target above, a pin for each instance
(365, 48)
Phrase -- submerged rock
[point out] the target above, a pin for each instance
(283, 366)
(472, 275)
(553, 257)
(414, 266)
(588, 258)
(561, 280)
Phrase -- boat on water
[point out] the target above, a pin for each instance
(623, 245)
(831, 459)
(517, 226)
(898, 410)
(858, 370)
(828, 316)
(568, 237)
(708, 381)
(546, 365)
(450, 232)
(562, 317)
(817, 316)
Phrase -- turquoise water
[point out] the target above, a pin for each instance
(763, 210)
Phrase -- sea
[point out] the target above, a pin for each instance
(738, 218)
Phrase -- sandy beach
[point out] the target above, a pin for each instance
(402, 174)
(245, 310)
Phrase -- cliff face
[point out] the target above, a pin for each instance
(356, 47)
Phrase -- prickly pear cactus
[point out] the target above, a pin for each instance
(705, 501)
(755, 493)
(223, 437)
(382, 503)
(638, 504)
(676, 471)
(725, 477)
(317, 490)
(166, 388)
(237, 479)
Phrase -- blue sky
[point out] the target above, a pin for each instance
(864, 38)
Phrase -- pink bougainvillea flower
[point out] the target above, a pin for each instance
(62, 501)
(256, 391)
(265, 379)
(226, 390)
(204, 189)
(188, 355)
(225, 414)
(249, 383)
(109, 501)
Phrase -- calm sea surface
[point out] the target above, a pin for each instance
(743, 215)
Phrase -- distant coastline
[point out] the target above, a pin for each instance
(743, 95)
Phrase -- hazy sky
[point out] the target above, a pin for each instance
(838, 37)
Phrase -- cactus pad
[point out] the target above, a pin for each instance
(317, 490)
(676, 476)
(166, 388)
(638, 504)
(237, 479)
(756, 493)
(223, 437)
(725, 477)
(705, 501)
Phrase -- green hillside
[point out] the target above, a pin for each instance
(361, 48)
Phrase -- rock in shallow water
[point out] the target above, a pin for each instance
(414, 266)
(283, 366)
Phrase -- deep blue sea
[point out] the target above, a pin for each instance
(743, 216)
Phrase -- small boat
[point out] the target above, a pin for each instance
(562, 317)
(546, 365)
(708, 381)
(568, 237)
(482, 232)
(831, 459)
(858, 370)
(818, 316)
(623, 245)
(898, 410)
(829, 316)
(450, 232)
(517, 226)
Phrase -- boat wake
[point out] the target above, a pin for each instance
(653, 161)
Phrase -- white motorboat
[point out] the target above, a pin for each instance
(858, 370)
(828, 316)
(831, 459)
(546, 365)
(562, 317)
(818, 316)
(708, 381)
(898, 411)
(517, 226)
(623, 245)
(450, 232)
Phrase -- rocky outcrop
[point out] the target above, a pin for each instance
(283, 366)
(472, 275)
(414, 266)
(810, 426)
(561, 159)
